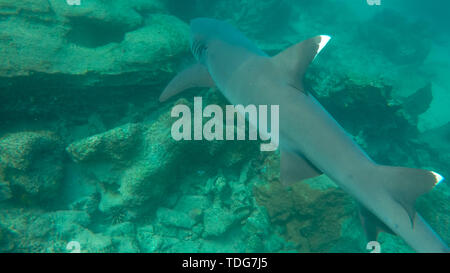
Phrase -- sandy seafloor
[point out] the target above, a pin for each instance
(85, 147)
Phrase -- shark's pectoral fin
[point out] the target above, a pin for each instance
(295, 167)
(372, 225)
(196, 75)
(405, 185)
(296, 59)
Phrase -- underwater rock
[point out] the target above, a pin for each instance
(116, 145)
(50, 43)
(217, 221)
(38, 231)
(419, 102)
(174, 218)
(91, 242)
(193, 205)
(123, 237)
(435, 116)
(88, 203)
(31, 166)
(113, 18)
(122, 230)
(438, 141)
(254, 17)
(378, 122)
(148, 241)
(134, 164)
(5, 190)
(382, 33)
(31, 230)
(58, 59)
(6, 240)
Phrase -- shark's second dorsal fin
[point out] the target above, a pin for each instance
(295, 60)
(196, 75)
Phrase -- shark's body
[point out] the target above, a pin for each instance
(311, 141)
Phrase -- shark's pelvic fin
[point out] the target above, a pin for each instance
(405, 185)
(295, 167)
(372, 224)
(295, 60)
(196, 75)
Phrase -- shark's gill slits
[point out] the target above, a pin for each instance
(198, 49)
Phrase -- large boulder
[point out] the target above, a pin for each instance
(94, 44)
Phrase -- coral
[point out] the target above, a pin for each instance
(31, 164)
(116, 145)
(312, 218)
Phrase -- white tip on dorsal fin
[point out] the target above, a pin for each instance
(439, 178)
(196, 75)
(323, 42)
(296, 59)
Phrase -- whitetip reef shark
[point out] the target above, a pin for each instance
(311, 141)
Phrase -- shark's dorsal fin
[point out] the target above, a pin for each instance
(196, 75)
(295, 167)
(295, 60)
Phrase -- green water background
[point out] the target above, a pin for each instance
(85, 147)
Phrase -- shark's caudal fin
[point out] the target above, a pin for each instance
(295, 60)
(194, 76)
(405, 185)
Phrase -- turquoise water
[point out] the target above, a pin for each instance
(88, 163)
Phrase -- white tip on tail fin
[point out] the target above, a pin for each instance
(405, 185)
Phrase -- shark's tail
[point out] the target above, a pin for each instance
(405, 185)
